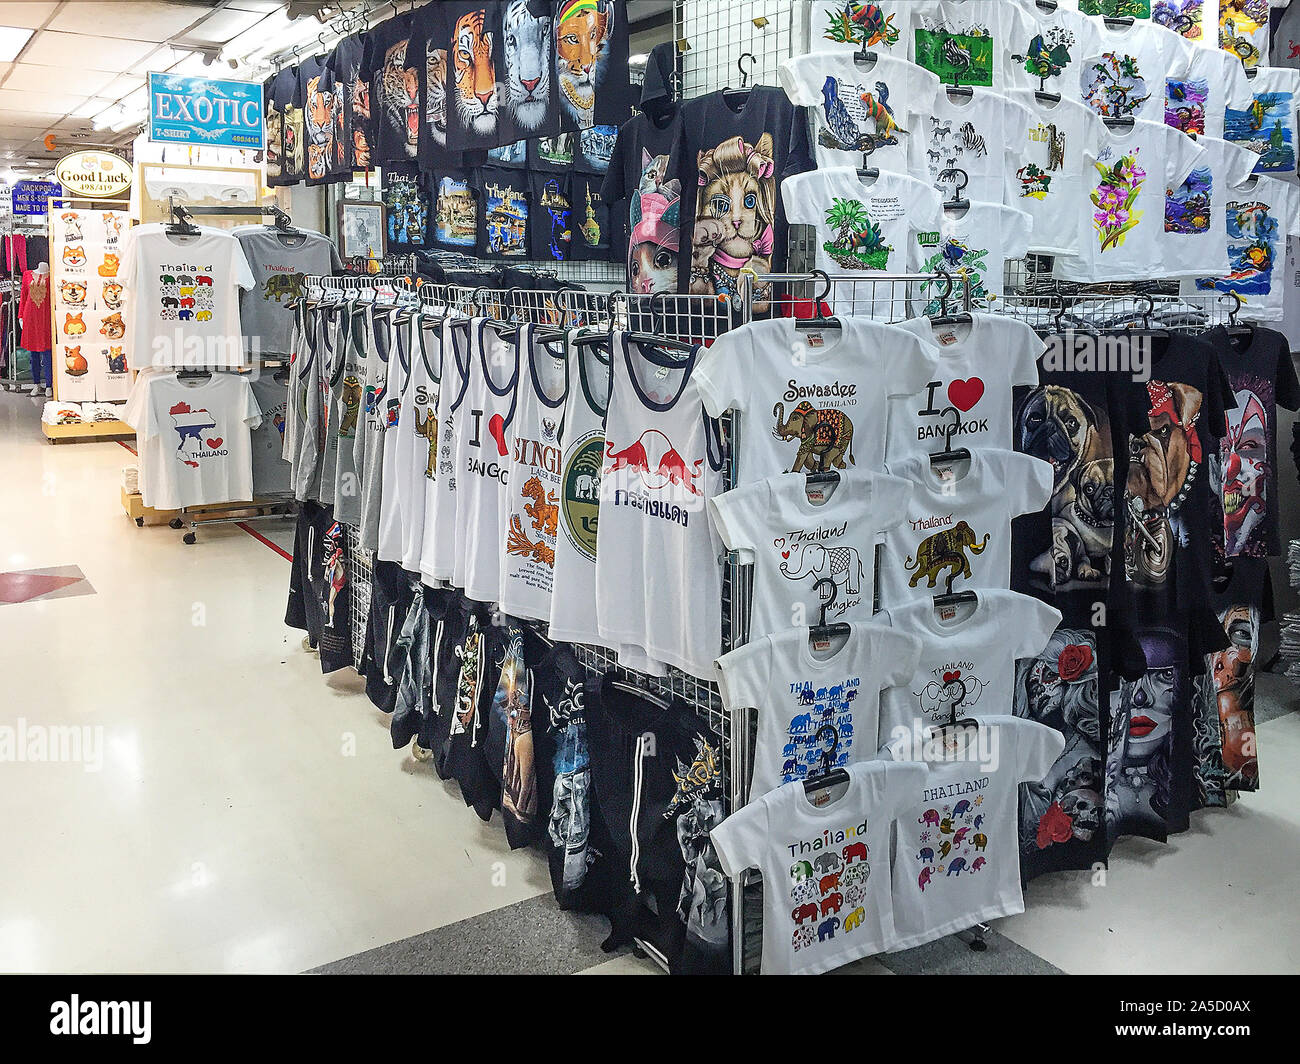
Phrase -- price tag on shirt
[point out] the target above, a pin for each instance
(815, 339)
(948, 338)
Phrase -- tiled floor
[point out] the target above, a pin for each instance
(250, 815)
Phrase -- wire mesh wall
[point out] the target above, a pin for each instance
(360, 572)
(712, 35)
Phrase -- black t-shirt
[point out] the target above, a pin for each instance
(1262, 377)
(514, 155)
(528, 100)
(737, 149)
(273, 105)
(595, 146)
(554, 153)
(294, 155)
(474, 117)
(344, 66)
(504, 214)
(316, 97)
(593, 238)
(552, 229)
(406, 208)
(644, 188)
(591, 63)
(455, 215)
(427, 54)
(394, 92)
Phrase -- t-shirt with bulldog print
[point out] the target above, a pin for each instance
(824, 391)
(825, 863)
(967, 661)
(956, 860)
(968, 402)
(956, 535)
(798, 535)
(818, 699)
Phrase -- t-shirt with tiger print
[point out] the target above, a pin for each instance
(344, 68)
(316, 98)
(427, 50)
(475, 121)
(394, 92)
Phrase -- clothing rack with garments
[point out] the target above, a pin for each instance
(13, 285)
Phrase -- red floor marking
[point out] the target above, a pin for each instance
(262, 539)
(123, 443)
(23, 587)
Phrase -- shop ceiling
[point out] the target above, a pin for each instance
(85, 63)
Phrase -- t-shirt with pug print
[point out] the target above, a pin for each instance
(956, 857)
(814, 399)
(798, 535)
(956, 535)
(968, 401)
(976, 237)
(1262, 376)
(818, 700)
(863, 224)
(824, 857)
(863, 112)
(974, 133)
(967, 661)
(394, 92)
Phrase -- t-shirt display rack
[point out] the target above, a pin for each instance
(13, 276)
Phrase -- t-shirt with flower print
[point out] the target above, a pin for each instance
(978, 238)
(1053, 39)
(822, 904)
(818, 699)
(1122, 233)
(1124, 75)
(871, 108)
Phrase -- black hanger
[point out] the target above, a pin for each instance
(954, 598)
(943, 317)
(864, 56)
(741, 93)
(1117, 22)
(958, 201)
(964, 91)
(1237, 329)
(1147, 327)
(193, 374)
(643, 693)
(819, 320)
(868, 173)
(829, 775)
(283, 222)
(1119, 122)
(602, 337)
(182, 224)
(1043, 96)
(658, 337)
(549, 334)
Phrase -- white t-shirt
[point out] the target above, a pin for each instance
(794, 541)
(818, 707)
(658, 559)
(438, 547)
(978, 366)
(978, 135)
(1123, 75)
(837, 838)
(1196, 226)
(1243, 29)
(964, 42)
(194, 437)
(957, 535)
(185, 296)
(979, 238)
(1121, 223)
(769, 370)
(964, 809)
(1210, 82)
(863, 224)
(1260, 214)
(874, 109)
(395, 484)
(1267, 126)
(1047, 176)
(849, 27)
(417, 437)
(966, 665)
(1047, 52)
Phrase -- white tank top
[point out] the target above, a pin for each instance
(533, 483)
(485, 430)
(582, 439)
(392, 500)
(658, 559)
(438, 551)
(417, 435)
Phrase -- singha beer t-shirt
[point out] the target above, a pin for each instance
(184, 296)
(825, 864)
(957, 532)
(966, 665)
(1121, 223)
(874, 109)
(814, 399)
(818, 702)
(968, 402)
(957, 862)
(975, 134)
(196, 435)
(798, 534)
(281, 263)
(1195, 221)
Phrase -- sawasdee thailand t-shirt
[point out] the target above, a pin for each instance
(825, 864)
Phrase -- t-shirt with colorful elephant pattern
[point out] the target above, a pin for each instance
(825, 863)
(956, 861)
(184, 299)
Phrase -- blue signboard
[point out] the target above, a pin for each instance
(219, 114)
(30, 196)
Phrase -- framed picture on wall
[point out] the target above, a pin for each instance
(361, 229)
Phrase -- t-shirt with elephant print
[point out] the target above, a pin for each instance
(825, 863)
(956, 852)
(280, 262)
(968, 403)
(862, 109)
(967, 661)
(813, 399)
(818, 701)
(798, 535)
(184, 296)
(956, 532)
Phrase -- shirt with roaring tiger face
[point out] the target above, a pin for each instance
(394, 92)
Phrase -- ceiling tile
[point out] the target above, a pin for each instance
(120, 86)
(223, 26)
(129, 20)
(32, 78)
(43, 103)
(62, 49)
(92, 107)
(28, 16)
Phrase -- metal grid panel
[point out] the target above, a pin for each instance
(360, 562)
(712, 35)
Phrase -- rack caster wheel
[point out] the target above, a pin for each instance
(139, 522)
(419, 752)
(189, 539)
(175, 523)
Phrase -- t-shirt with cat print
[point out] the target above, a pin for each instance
(862, 111)
(817, 697)
(394, 92)
(824, 857)
(957, 861)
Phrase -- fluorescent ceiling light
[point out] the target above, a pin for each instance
(12, 41)
(131, 118)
